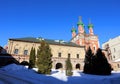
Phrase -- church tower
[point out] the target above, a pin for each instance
(80, 26)
(83, 39)
(73, 30)
(90, 27)
(93, 39)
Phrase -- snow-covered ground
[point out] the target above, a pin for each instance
(17, 74)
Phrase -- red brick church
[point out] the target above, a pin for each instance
(81, 38)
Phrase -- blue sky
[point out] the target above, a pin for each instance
(53, 19)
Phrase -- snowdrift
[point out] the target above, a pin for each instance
(17, 74)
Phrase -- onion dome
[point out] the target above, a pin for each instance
(80, 22)
(73, 30)
(90, 26)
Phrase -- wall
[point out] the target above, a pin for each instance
(55, 49)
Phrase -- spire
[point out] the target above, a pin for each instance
(89, 21)
(90, 25)
(80, 18)
(80, 22)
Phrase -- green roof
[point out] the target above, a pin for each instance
(73, 30)
(90, 26)
(80, 23)
(49, 41)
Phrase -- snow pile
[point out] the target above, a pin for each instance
(17, 74)
(60, 75)
(76, 73)
(13, 67)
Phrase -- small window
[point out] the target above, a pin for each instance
(16, 51)
(114, 57)
(114, 50)
(77, 55)
(94, 48)
(68, 55)
(59, 54)
(118, 65)
(25, 52)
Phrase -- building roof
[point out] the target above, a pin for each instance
(49, 41)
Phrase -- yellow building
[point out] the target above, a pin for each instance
(61, 50)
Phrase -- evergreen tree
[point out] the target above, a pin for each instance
(96, 64)
(88, 60)
(100, 64)
(44, 61)
(1, 48)
(32, 58)
(69, 67)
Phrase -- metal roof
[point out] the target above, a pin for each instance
(49, 41)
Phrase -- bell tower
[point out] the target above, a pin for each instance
(90, 27)
(80, 26)
(83, 39)
(73, 30)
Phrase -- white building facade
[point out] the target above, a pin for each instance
(112, 49)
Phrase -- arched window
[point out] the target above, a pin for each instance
(59, 65)
(78, 66)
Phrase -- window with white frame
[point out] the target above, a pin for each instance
(16, 51)
(25, 52)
